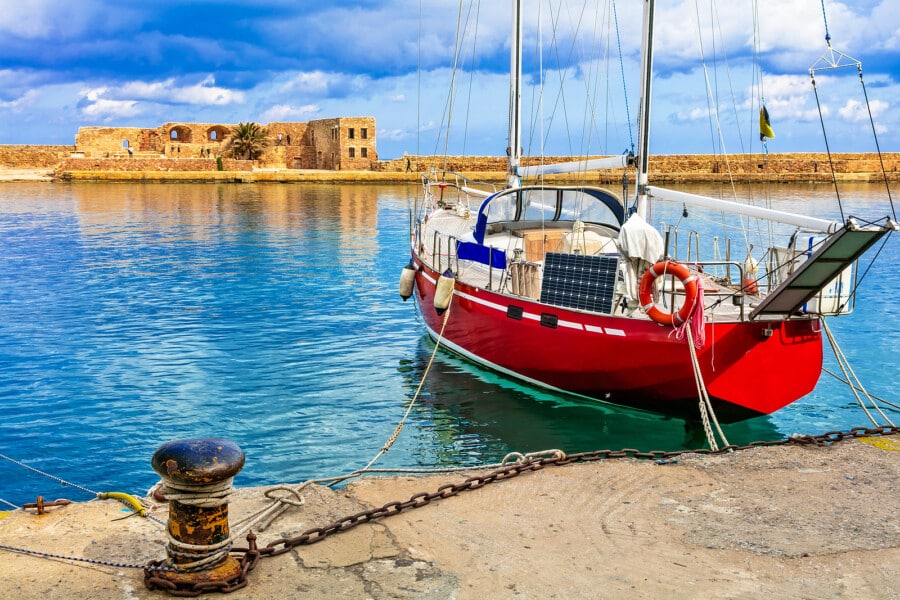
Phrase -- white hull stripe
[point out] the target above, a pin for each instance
(535, 317)
(526, 315)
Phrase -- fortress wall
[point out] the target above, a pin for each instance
(107, 141)
(794, 167)
(151, 164)
(21, 156)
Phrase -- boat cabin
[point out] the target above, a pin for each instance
(526, 223)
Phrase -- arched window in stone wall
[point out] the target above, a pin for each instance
(216, 133)
(125, 143)
(180, 134)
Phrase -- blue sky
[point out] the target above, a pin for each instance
(65, 64)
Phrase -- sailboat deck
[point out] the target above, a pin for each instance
(721, 303)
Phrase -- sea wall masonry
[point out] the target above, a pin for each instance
(100, 154)
(688, 168)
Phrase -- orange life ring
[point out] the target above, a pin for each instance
(645, 293)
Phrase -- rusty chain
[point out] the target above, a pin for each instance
(317, 534)
(248, 558)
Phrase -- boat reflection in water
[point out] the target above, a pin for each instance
(483, 415)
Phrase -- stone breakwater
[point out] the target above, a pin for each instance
(65, 164)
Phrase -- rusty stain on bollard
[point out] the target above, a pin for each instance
(197, 474)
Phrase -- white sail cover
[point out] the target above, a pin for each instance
(641, 246)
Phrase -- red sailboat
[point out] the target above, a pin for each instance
(569, 287)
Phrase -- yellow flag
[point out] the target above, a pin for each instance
(765, 129)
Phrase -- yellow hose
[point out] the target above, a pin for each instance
(126, 499)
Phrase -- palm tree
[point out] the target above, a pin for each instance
(248, 140)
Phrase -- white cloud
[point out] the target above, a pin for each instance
(314, 83)
(319, 84)
(22, 102)
(205, 93)
(855, 111)
(288, 113)
(394, 135)
(108, 102)
(110, 109)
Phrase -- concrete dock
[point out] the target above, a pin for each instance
(789, 521)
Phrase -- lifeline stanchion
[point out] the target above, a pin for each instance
(197, 476)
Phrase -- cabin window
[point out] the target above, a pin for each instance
(582, 206)
(352, 152)
(539, 205)
(503, 208)
(364, 133)
(364, 152)
(351, 133)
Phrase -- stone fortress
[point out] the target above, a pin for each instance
(338, 144)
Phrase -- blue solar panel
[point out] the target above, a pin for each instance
(578, 281)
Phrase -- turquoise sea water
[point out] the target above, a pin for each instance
(136, 314)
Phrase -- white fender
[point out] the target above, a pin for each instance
(443, 292)
(407, 281)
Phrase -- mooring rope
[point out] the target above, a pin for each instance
(697, 338)
(414, 399)
(707, 413)
(844, 381)
(848, 372)
(127, 499)
(266, 516)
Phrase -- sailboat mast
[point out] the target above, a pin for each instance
(643, 149)
(515, 96)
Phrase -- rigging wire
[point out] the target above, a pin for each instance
(759, 80)
(448, 106)
(562, 72)
(471, 69)
(712, 108)
(419, 81)
(837, 191)
(877, 145)
(834, 59)
(622, 69)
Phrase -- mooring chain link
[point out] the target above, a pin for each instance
(247, 561)
(317, 534)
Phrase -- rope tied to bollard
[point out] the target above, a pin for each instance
(206, 496)
(197, 476)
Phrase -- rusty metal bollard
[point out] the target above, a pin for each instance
(197, 474)
(40, 505)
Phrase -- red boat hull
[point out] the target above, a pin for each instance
(749, 368)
